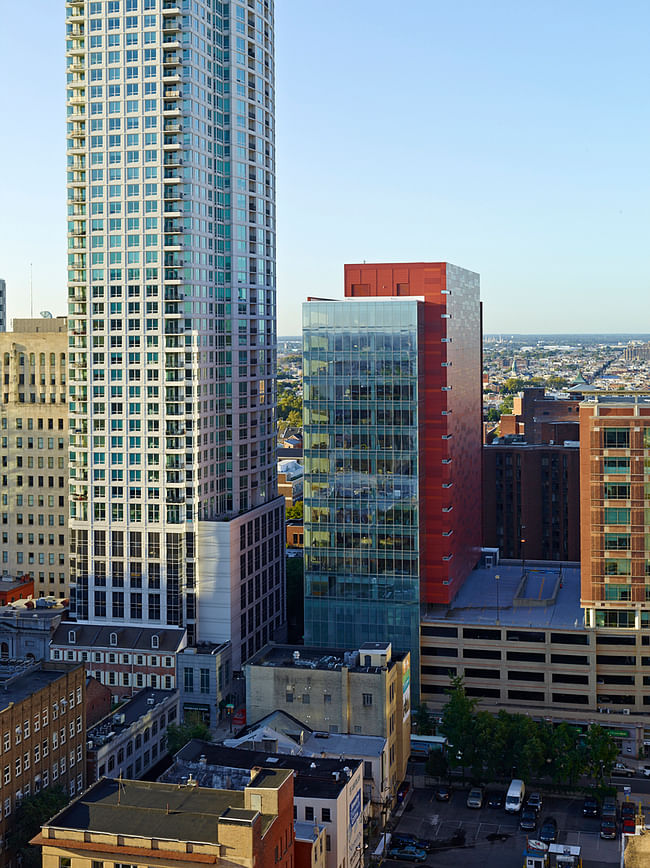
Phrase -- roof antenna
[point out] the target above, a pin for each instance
(31, 290)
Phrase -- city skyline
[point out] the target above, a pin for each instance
(524, 143)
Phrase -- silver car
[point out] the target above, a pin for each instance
(475, 798)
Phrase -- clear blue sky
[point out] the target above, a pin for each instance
(507, 136)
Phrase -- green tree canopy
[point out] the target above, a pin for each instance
(423, 720)
(179, 734)
(30, 814)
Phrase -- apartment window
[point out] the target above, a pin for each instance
(326, 815)
(289, 696)
(188, 680)
(367, 699)
(309, 814)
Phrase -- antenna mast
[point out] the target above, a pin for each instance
(31, 290)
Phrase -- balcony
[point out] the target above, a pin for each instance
(171, 110)
(171, 227)
(173, 160)
(171, 42)
(171, 7)
(172, 276)
(171, 59)
(172, 76)
(171, 176)
(171, 93)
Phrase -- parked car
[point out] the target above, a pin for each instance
(475, 798)
(443, 794)
(590, 807)
(408, 853)
(622, 769)
(528, 820)
(402, 791)
(608, 829)
(496, 799)
(534, 802)
(609, 810)
(646, 771)
(399, 840)
(628, 809)
(548, 831)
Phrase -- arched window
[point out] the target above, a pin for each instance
(113, 638)
(154, 641)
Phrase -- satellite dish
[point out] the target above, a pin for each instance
(46, 314)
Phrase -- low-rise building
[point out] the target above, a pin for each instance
(170, 826)
(364, 691)
(293, 737)
(27, 627)
(16, 588)
(310, 844)
(99, 701)
(126, 659)
(129, 741)
(206, 682)
(328, 792)
(43, 726)
(290, 481)
(295, 534)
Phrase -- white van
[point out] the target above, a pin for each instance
(515, 796)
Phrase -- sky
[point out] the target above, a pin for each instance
(508, 137)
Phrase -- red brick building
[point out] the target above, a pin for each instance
(531, 493)
(20, 588)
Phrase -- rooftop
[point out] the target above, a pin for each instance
(545, 597)
(345, 744)
(315, 776)
(19, 679)
(306, 831)
(169, 641)
(122, 718)
(212, 648)
(334, 659)
(151, 810)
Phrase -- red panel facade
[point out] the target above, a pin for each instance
(450, 417)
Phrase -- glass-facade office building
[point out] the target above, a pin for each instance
(171, 275)
(361, 472)
(392, 444)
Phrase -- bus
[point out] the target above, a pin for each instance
(423, 745)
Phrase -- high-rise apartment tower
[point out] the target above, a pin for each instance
(392, 444)
(174, 516)
(614, 511)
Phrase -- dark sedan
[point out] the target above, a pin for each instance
(528, 820)
(590, 807)
(548, 831)
(496, 799)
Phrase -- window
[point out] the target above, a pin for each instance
(309, 813)
(616, 465)
(616, 438)
(326, 815)
(289, 697)
(616, 515)
(367, 698)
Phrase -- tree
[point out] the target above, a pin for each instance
(458, 724)
(600, 752)
(493, 415)
(179, 734)
(437, 765)
(566, 758)
(295, 512)
(31, 813)
(423, 720)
